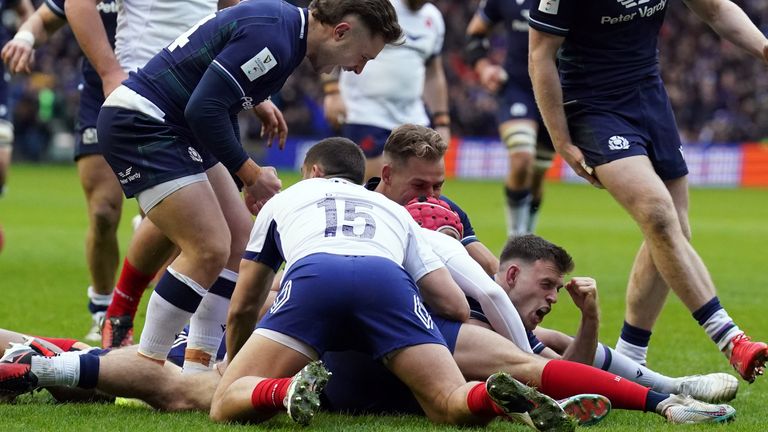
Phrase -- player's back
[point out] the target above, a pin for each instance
(144, 27)
(337, 217)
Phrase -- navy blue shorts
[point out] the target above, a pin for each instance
(145, 152)
(516, 102)
(371, 139)
(634, 122)
(86, 138)
(361, 384)
(362, 303)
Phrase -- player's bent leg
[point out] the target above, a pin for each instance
(104, 199)
(634, 184)
(208, 323)
(187, 217)
(148, 251)
(519, 136)
(436, 382)
(248, 390)
(481, 352)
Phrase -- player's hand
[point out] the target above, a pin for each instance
(335, 111)
(492, 77)
(267, 184)
(19, 56)
(575, 159)
(273, 123)
(583, 291)
(112, 80)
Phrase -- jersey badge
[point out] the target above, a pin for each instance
(259, 64)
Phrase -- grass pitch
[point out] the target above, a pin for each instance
(43, 279)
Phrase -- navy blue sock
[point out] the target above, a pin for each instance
(89, 371)
(635, 335)
(703, 313)
(653, 399)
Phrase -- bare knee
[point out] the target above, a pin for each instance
(212, 254)
(105, 216)
(657, 218)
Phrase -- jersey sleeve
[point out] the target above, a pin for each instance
(552, 16)
(419, 257)
(439, 25)
(264, 244)
(57, 7)
(252, 60)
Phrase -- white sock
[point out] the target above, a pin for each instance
(163, 322)
(634, 352)
(721, 329)
(99, 299)
(61, 370)
(206, 329)
(623, 366)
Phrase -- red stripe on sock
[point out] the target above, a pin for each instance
(128, 292)
(480, 403)
(270, 393)
(561, 379)
(64, 344)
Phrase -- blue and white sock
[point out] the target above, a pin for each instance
(206, 328)
(175, 299)
(717, 324)
(633, 343)
(68, 369)
(623, 366)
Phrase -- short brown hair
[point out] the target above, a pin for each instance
(410, 140)
(338, 157)
(531, 248)
(378, 15)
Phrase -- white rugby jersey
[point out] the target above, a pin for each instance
(338, 217)
(145, 27)
(389, 91)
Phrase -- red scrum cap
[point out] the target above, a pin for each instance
(436, 215)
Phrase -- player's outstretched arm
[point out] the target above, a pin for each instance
(253, 285)
(89, 31)
(730, 22)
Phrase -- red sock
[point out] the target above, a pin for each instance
(270, 393)
(561, 379)
(128, 291)
(480, 404)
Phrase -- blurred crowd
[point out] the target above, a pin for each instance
(719, 93)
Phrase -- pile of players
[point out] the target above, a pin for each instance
(364, 286)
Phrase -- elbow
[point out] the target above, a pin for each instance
(457, 310)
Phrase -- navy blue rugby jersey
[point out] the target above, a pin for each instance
(610, 45)
(514, 15)
(250, 50)
(108, 12)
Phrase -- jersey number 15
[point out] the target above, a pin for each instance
(351, 213)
